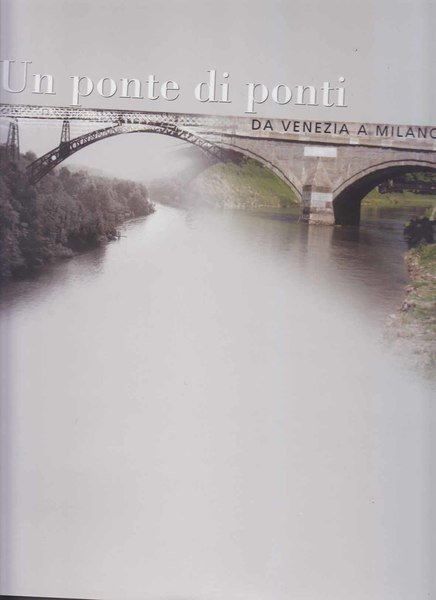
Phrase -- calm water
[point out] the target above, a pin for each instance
(205, 410)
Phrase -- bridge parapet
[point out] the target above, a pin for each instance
(306, 131)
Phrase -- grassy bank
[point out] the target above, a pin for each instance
(244, 185)
(413, 329)
(399, 200)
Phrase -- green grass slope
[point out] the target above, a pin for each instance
(244, 185)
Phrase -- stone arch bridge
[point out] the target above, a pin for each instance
(330, 166)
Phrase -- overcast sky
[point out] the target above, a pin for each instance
(384, 49)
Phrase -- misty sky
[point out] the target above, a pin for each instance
(383, 48)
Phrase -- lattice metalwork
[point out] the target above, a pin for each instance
(215, 135)
(319, 132)
(48, 161)
(13, 142)
(65, 134)
(98, 115)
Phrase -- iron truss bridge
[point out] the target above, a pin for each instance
(41, 166)
(170, 124)
(97, 115)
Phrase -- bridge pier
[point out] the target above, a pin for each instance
(317, 205)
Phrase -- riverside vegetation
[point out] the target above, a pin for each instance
(399, 200)
(413, 328)
(242, 185)
(70, 211)
(66, 212)
(405, 199)
(248, 185)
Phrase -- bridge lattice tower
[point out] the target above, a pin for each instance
(65, 135)
(13, 142)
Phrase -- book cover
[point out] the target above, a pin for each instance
(218, 303)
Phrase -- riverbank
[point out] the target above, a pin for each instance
(67, 212)
(250, 185)
(247, 184)
(412, 330)
(244, 185)
(399, 200)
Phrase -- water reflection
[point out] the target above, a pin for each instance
(202, 409)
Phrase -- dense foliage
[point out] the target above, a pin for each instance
(64, 212)
(420, 176)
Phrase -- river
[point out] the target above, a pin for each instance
(206, 409)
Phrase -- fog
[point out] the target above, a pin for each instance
(205, 409)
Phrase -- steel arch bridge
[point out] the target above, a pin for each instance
(43, 165)
(330, 166)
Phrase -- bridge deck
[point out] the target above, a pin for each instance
(408, 137)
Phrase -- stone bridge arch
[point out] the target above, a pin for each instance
(286, 175)
(348, 196)
(216, 150)
(44, 164)
(330, 166)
